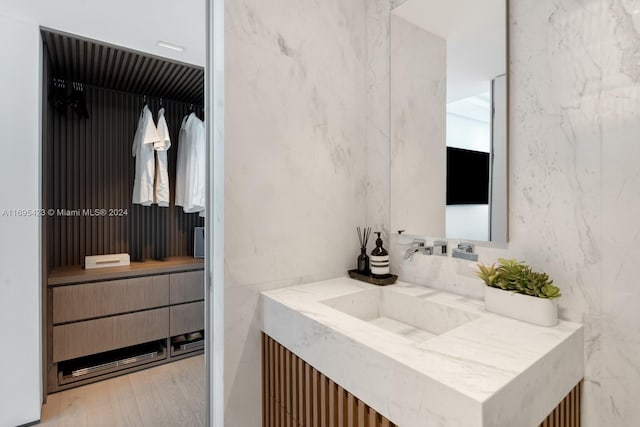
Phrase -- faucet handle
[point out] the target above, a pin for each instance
(418, 243)
(465, 251)
(440, 247)
(466, 247)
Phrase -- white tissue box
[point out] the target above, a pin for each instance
(102, 261)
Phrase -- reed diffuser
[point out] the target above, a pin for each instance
(363, 258)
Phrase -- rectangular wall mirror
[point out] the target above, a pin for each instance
(449, 119)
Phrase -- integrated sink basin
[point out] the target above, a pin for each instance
(424, 357)
(414, 313)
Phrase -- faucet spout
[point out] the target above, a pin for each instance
(425, 250)
(416, 244)
(408, 254)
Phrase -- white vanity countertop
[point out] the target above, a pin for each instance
(491, 371)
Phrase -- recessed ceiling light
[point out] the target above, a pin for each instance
(170, 46)
(637, 11)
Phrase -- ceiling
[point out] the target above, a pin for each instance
(136, 24)
(477, 107)
(475, 31)
(100, 64)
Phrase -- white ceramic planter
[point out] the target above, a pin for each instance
(540, 311)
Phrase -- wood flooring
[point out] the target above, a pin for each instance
(168, 395)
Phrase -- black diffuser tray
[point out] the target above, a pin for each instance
(388, 279)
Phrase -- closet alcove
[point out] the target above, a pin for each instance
(109, 321)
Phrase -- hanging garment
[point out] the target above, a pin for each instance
(198, 184)
(146, 136)
(161, 195)
(191, 167)
(181, 164)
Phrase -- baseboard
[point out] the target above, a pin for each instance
(32, 423)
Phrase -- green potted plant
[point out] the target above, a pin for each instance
(515, 290)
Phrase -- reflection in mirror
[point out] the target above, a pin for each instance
(448, 92)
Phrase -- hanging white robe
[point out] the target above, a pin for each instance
(198, 183)
(146, 136)
(181, 165)
(191, 167)
(162, 171)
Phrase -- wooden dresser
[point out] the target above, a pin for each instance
(107, 322)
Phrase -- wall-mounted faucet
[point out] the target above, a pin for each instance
(417, 246)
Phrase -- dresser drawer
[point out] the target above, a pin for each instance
(187, 318)
(89, 300)
(186, 287)
(95, 336)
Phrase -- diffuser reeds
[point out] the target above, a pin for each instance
(363, 236)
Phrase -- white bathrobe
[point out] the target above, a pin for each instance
(191, 167)
(162, 170)
(143, 150)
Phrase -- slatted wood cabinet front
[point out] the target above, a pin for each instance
(294, 394)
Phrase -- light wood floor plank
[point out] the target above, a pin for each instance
(168, 395)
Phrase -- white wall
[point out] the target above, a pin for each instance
(377, 117)
(20, 368)
(295, 164)
(574, 186)
(418, 81)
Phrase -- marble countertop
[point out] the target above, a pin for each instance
(490, 371)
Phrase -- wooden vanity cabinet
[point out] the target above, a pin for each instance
(295, 393)
(95, 313)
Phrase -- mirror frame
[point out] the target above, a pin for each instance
(393, 4)
(214, 231)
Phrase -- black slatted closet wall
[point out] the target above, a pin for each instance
(91, 167)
